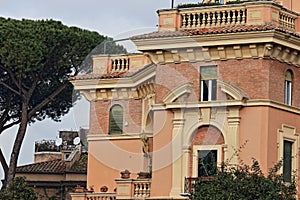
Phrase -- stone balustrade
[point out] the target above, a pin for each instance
(93, 196)
(287, 20)
(103, 64)
(101, 196)
(120, 64)
(141, 188)
(247, 13)
(192, 19)
(133, 188)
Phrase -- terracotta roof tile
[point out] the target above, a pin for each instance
(215, 30)
(55, 166)
(99, 76)
(160, 34)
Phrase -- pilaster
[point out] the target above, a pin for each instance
(177, 157)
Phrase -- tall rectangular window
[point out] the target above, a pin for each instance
(287, 160)
(207, 162)
(288, 88)
(208, 83)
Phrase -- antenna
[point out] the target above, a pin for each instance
(76, 141)
(58, 141)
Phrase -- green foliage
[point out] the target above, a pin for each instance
(247, 183)
(36, 60)
(189, 5)
(18, 189)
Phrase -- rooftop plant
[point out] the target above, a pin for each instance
(190, 5)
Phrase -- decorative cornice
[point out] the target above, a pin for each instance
(198, 54)
(136, 86)
(230, 103)
(104, 137)
(273, 44)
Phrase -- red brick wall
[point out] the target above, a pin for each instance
(99, 116)
(251, 75)
(260, 78)
(170, 76)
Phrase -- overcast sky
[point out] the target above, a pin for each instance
(114, 18)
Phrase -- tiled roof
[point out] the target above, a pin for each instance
(109, 75)
(215, 30)
(54, 166)
(99, 76)
(159, 34)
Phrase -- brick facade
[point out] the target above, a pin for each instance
(99, 116)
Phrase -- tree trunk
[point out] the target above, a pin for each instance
(17, 146)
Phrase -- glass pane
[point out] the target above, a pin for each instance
(288, 76)
(287, 161)
(207, 162)
(214, 90)
(204, 92)
(208, 72)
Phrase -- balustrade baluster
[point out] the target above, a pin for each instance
(189, 21)
(194, 20)
(214, 21)
(219, 19)
(244, 16)
(234, 17)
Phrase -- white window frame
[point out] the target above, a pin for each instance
(288, 133)
(288, 92)
(197, 148)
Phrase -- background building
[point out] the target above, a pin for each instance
(59, 166)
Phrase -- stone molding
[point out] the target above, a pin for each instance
(137, 86)
(274, 51)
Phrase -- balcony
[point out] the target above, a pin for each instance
(107, 64)
(126, 189)
(247, 13)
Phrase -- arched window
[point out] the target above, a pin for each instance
(116, 120)
(288, 87)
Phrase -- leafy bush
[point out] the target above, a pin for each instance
(18, 189)
(247, 183)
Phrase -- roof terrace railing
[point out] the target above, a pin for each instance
(209, 18)
(247, 13)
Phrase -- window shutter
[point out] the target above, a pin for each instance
(116, 120)
(208, 72)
